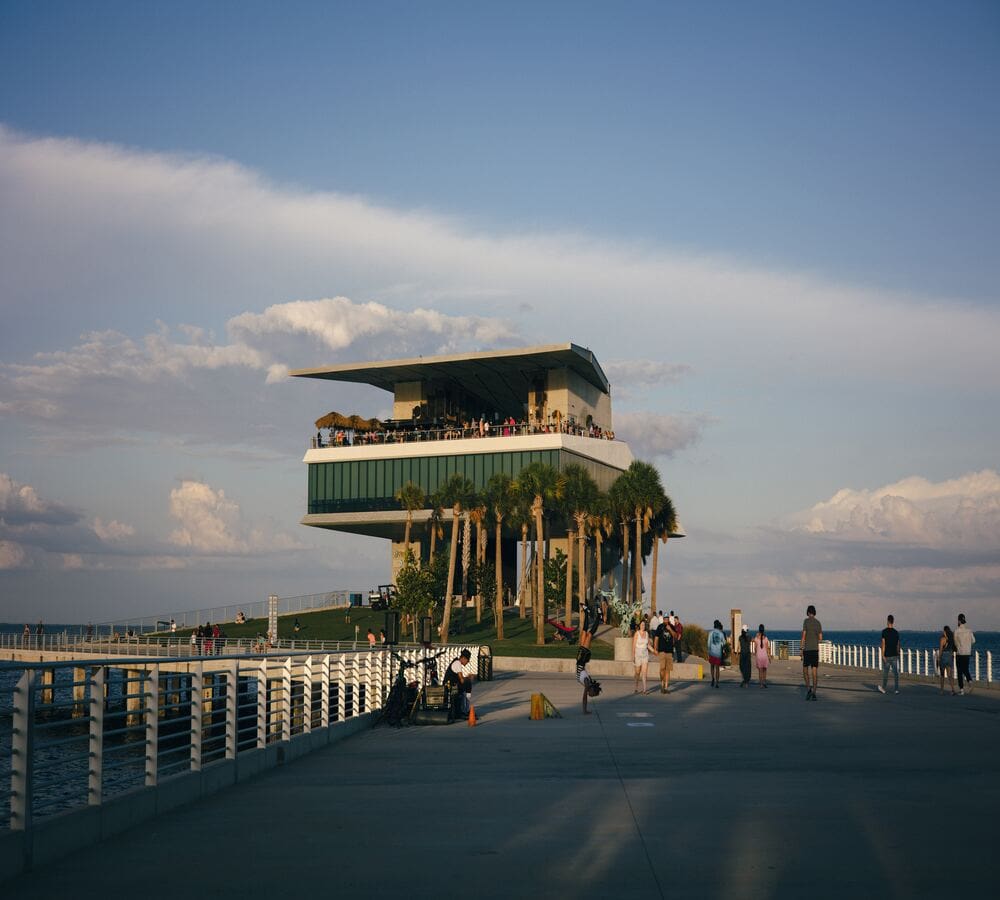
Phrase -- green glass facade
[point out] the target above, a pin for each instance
(370, 485)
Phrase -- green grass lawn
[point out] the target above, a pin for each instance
(340, 625)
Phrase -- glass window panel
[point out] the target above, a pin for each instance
(380, 466)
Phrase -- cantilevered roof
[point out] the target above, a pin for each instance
(503, 376)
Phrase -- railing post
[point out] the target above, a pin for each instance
(324, 691)
(262, 704)
(977, 666)
(341, 685)
(989, 666)
(286, 691)
(307, 693)
(95, 775)
(197, 714)
(23, 754)
(232, 708)
(152, 716)
(355, 684)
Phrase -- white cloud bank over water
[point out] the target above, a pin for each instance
(959, 513)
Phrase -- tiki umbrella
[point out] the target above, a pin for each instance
(358, 423)
(333, 420)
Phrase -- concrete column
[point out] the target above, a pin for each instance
(79, 693)
(48, 679)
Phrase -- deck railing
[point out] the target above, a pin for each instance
(74, 734)
(911, 662)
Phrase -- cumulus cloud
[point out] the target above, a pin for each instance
(12, 556)
(112, 531)
(111, 385)
(375, 329)
(651, 435)
(211, 524)
(21, 507)
(959, 513)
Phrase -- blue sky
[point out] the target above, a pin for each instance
(795, 202)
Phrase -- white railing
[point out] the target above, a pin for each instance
(169, 647)
(228, 613)
(74, 734)
(911, 662)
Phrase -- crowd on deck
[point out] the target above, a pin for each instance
(405, 432)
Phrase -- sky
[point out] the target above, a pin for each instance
(775, 224)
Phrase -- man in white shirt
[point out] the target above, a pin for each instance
(964, 639)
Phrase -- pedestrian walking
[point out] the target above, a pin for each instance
(663, 643)
(678, 627)
(745, 651)
(964, 639)
(891, 648)
(946, 658)
(716, 641)
(762, 654)
(812, 634)
(640, 655)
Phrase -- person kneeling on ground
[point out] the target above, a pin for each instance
(591, 686)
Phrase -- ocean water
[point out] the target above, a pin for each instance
(911, 640)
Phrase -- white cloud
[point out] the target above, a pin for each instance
(12, 556)
(209, 236)
(960, 513)
(112, 531)
(651, 435)
(210, 524)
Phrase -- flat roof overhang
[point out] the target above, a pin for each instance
(503, 377)
(390, 525)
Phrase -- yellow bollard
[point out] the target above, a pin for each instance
(701, 672)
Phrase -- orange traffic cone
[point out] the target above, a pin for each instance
(472, 716)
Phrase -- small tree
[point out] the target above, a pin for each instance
(415, 592)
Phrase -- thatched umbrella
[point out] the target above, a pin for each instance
(333, 420)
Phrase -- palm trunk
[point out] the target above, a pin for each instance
(539, 538)
(626, 549)
(569, 578)
(598, 562)
(498, 601)
(524, 569)
(656, 562)
(581, 574)
(638, 557)
(406, 534)
(433, 539)
(446, 615)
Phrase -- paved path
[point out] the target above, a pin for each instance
(702, 793)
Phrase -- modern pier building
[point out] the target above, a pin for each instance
(472, 413)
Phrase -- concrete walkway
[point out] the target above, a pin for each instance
(702, 793)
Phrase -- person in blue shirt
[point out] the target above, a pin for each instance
(716, 641)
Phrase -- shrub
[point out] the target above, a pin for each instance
(694, 641)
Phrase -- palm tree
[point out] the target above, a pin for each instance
(501, 500)
(580, 500)
(648, 497)
(663, 527)
(434, 525)
(410, 496)
(619, 511)
(457, 492)
(541, 482)
(520, 521)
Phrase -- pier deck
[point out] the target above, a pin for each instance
(702, 793)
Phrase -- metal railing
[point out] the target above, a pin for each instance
(74, 734)
(227, 613)
(144, 645)
(454, 432)
(911, 662)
